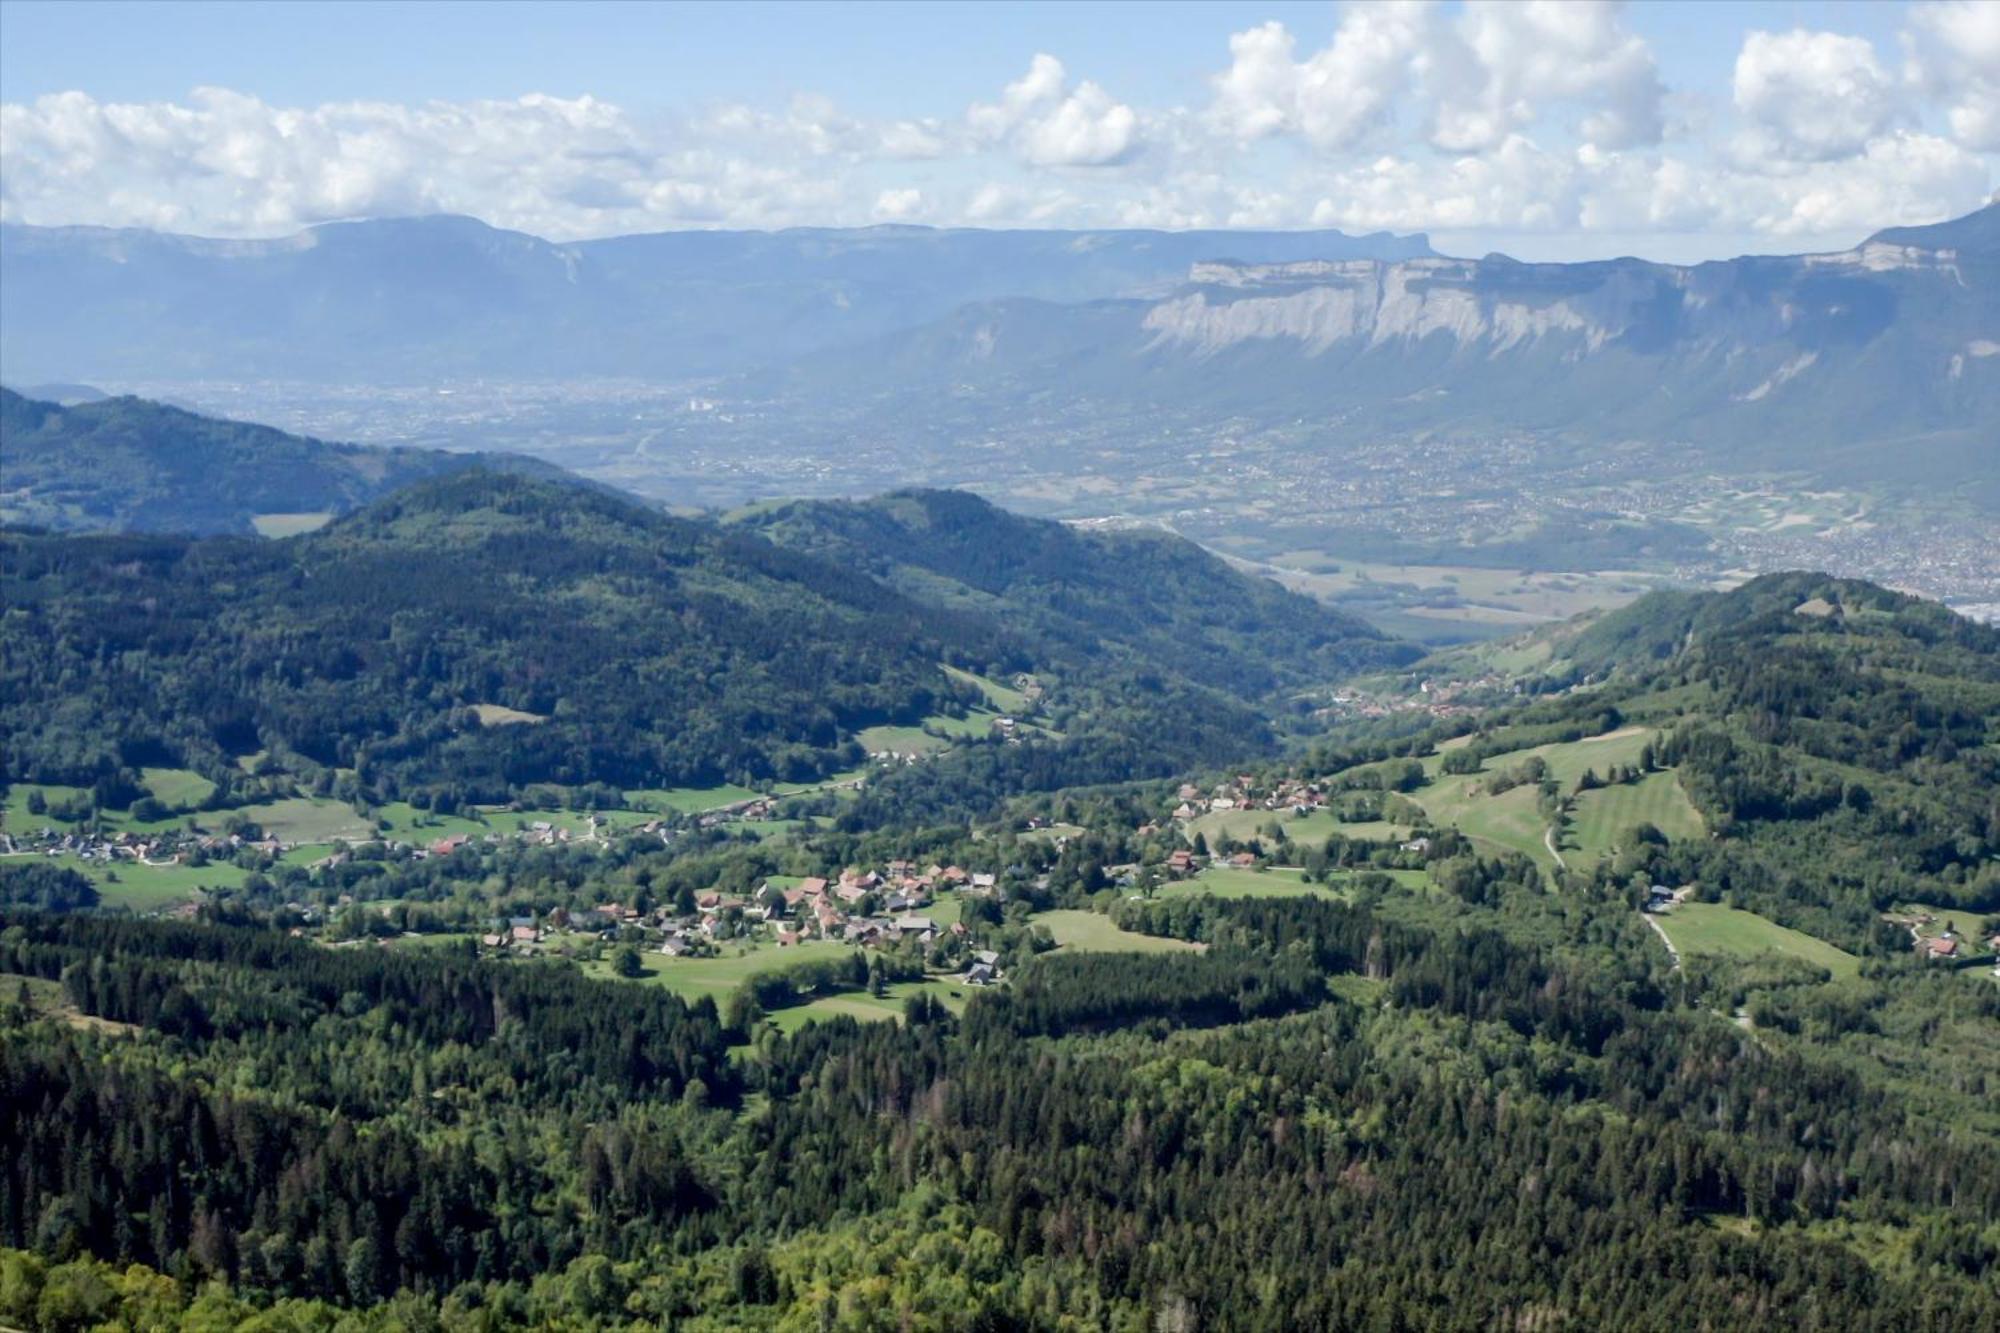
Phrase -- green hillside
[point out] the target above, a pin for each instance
(1815, 749)
(480, 632)
(1155, 600)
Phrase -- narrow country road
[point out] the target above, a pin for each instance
(1672, 952)
(1549, 841)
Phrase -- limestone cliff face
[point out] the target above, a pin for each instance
(1496, 305)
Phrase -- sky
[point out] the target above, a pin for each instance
(1547, 130)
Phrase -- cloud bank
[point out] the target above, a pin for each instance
(1546, 117)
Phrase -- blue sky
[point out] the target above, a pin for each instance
(1679, 131)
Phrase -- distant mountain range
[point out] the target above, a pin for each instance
(414, 300)
(1798, 362)
(1880, 363)
(127, 464)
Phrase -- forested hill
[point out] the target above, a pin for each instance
(1162, 602)
(481, 631)
(1840, 742)
(126, 464)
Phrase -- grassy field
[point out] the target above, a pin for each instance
(934, 733)
(946, 910)
(1004, 698)
(1093, 932)
(900, 740)
(866, 1008)
(18, 818)
(1711, 928)
(692, 978)
(303, 819)
(498, 715)
(178, 787)
(143, 888)
(687, 800)
(1313, 828)
(851, 776)
(1512, 821)
(1607, 813)
(289, 525)
(1229, 882)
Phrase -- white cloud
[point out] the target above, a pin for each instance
(1530, 118)
(1813, 96)
(899, 205)
(1052, 125)
(231, 164)
(1479, 80)
(1335, 96)
(1506, 59)
(1517, 185)
(1953, 53)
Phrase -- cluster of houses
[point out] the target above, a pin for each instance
(157, 848)
(1434, 698)
(874, 908)
(1946, 945)
(1243, 793)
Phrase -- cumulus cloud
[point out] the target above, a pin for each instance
(1336, 95)
(1478, 80)
(1053, 125)
(1516, 118)
(899, 205)
(1953, 53)
(1813, 96)
(229, 163)
(1503, 61)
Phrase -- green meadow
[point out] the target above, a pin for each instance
(1093, 932)
(1711, 928)
(1605, 814)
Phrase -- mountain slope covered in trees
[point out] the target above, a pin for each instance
(126, 464)
(625, 646)
(1164, 603)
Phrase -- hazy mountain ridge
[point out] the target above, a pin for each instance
(406, 300)
(132, 465)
